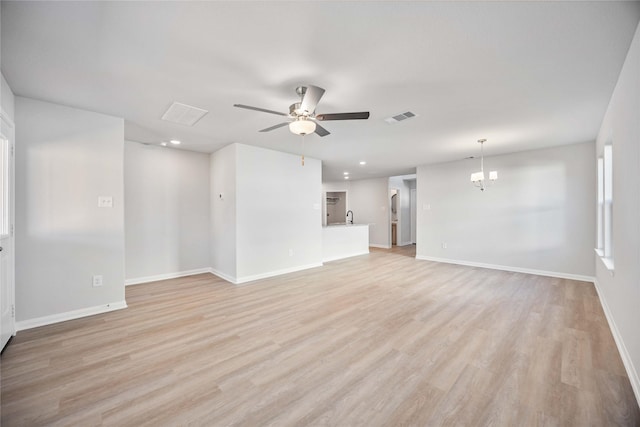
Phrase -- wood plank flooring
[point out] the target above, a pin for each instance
(376, 340)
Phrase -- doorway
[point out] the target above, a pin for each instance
(396, 225)
(7, 304)
(336, 203)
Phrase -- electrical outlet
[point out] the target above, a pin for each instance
(105, 202)
(97, 281)
(444, 245)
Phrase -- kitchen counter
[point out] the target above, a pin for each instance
(344, 240)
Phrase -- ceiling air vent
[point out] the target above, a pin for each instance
(400, 117)
(183, 114)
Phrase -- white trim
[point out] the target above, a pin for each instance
(508, 268)
(11, 294)
(276, 273)
(608, 264)
(404, 244)
(374, 245)
(335, 258)
(622, 349)
(69, 315)
(155, 278)
(223, 276)
(6, 118)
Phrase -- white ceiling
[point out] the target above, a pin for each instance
(524, 75)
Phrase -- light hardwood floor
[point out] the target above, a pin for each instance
(376, 340)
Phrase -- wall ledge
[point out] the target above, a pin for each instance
(69, 315)
(557, 274)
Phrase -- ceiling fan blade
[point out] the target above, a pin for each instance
(279, 125)
(311, 98)
(344, 116)
(321, 131)
(248, 107)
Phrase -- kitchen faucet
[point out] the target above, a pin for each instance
(350, 212)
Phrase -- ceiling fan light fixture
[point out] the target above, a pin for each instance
(302, 127)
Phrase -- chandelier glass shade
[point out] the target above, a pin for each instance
(477, 178)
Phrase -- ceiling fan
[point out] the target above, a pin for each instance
(303, 114)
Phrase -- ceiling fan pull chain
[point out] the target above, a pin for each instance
(302, 149)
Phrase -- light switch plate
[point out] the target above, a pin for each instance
(96, 281)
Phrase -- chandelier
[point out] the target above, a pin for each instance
(477, 178)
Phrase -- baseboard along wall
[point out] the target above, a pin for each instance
(69, 315)
(557, 274)
(632, 373)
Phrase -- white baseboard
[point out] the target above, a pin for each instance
(155, 278)
(622, 349)
(223, 276)
(335, 258)
(251, 278)
(557, 274)
(374, 245)
(69, 315)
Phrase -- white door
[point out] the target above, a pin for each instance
(7, 324)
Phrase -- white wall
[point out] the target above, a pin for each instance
(539, 215)
(7, 100)
(166, 211)
(222, 238)
(278, 212)
(65, 159)
(370, 202)
(620, 292)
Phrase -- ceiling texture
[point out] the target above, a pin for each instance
(523, 75)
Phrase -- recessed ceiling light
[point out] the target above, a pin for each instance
(164, 144)
(346, 177)
(363, 162)
(346, 173)
(175, 142)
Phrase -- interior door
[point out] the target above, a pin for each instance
(7, 324)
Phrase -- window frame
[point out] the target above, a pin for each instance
(605, 200)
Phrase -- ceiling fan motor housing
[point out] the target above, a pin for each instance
(296, 111)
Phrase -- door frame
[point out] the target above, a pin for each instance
(398, 216)
(8, 131)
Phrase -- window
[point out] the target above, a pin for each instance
(605, 207)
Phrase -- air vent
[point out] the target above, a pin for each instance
(400, 117)
(183, 114)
